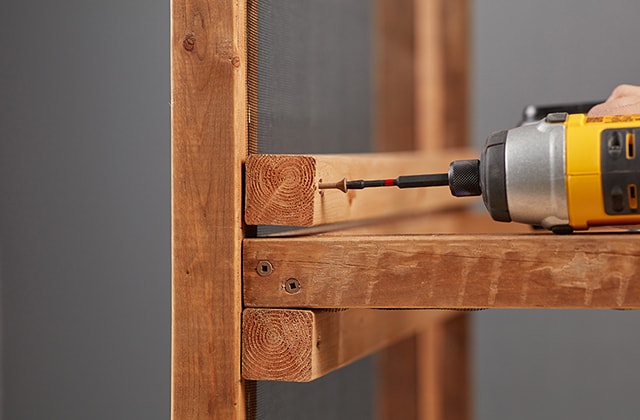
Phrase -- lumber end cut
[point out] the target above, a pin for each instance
(277, 345)
(280, 190)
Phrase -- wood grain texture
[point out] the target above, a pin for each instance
(466, 221)
(442, 67)
(447, 271)
(283, 189)
(457, 29)
(444, 373)
(394, 78)
(397, 387)
(303, 345)
(427, 376)
(209, 130)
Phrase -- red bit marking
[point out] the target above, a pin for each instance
(389, 182)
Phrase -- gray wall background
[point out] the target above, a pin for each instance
(85, 201)
(85, 209)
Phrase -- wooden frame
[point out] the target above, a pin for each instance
(209, 132)
(210, 99)
(595, 271)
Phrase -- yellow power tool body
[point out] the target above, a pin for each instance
(565, 173)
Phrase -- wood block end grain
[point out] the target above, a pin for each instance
(280, 190)
(277, 344)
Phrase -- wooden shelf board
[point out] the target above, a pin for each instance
(538, 270)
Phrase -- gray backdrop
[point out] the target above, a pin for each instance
(85, 201)
(85, 209)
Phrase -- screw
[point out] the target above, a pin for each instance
(264, 268)
(292, 286)
(340, 185)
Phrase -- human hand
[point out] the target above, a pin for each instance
(625, 99)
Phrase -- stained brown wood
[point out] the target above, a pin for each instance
(397, 387)
(447, 271)
(444, 373)
(209, 126)
(427, 376)
(442, 98)
(283, 189)
(422, 74)
(303, 345)
(394, 76)
(442, 63)
(466, 221)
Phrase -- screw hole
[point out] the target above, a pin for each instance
(264, 268)
(292, 286)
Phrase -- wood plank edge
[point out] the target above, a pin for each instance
(580, 271)
(303, 345)
(283, 189)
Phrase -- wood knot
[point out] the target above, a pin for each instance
(235, 61)
(189, 42)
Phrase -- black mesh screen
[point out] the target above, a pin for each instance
(314, 87)
(344, 394)
(310, 87)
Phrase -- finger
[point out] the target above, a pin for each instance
(624, 90)
(621, 106)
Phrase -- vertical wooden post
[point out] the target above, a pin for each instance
(442, 92)
(426, 376)
(397, 381)
(442, 98)
(443, 370)
(442, 63)
(393, 73)
(209, 144)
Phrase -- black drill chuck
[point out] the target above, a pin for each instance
(464, 178)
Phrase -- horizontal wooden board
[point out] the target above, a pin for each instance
(283, 189)
(303, 345)
(586, 270)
